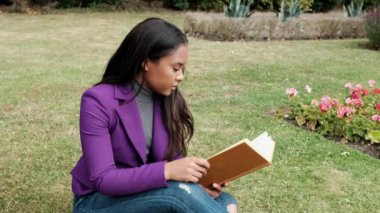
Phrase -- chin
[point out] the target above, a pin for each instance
(165, 93)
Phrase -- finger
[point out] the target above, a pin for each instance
(196, 174)
(198, 168)
(225, 184)
(217, 187)
(192, 178)
(212, 193)
(202, 162)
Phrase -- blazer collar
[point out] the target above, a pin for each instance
(124, 92)
(129, 115)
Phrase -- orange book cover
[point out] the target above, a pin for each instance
(239, 159)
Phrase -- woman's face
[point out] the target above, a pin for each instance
(164, 75)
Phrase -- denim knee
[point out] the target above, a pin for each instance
(186, 189)
(226, 199)
(197, 199)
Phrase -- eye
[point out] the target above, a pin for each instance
(176, 69)
(179, 68)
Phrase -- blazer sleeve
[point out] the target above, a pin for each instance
(98, 154)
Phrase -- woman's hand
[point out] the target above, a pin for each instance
(188, 169)
(216, 189)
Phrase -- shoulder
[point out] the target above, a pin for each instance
(101, 95)
(101, 90)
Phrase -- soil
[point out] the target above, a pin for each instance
(368, 148)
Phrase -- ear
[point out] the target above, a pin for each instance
(145, 65)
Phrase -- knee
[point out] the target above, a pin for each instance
(232, 208)
(229, 201)
(227, 198)
(187, 191)
(185, 188)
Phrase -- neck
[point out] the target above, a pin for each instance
(141, 90)
(140, 79)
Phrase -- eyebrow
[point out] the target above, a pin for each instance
(178, 63)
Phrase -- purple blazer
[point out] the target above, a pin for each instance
(114, 160)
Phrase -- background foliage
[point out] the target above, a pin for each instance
(207, 5)
(373, 26)
(266, 26)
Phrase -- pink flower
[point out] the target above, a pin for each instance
(355, 102)
(344, 111)
(355, 95)
(371, 83)
(348, 85)
(325, 104)
(376, 118)
(359, 86)
(326, 99)
(357, 92)
(324, 107)
(291, 91)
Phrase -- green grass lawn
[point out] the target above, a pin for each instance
(47, 61)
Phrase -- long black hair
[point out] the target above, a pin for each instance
(153, 39)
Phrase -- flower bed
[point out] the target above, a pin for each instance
(352, 119)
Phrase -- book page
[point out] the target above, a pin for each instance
(264, 145)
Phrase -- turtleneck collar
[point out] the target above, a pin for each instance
(143, 94)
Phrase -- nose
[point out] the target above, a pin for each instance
(179, 76)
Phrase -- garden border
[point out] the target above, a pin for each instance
(266, 26)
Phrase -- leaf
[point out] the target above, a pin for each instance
(300, 120)
(311, 124)
(374, 136)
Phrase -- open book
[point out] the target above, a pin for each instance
(239, 159)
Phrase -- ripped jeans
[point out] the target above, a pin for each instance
(178, 197)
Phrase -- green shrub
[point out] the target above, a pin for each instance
(304, 5)
(177, 4)
(68, 3)
(293, 10)
(369, 4)
(325, 5)
(78, 3)
(372, 26)
(238, 8)
(275, 5)
(19, 6)
(114, 4)
(354, 9)
(40, 2)
(215, 5)
(263, 5)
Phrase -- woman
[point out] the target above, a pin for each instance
(134, 129)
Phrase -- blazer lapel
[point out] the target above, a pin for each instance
(129, 115)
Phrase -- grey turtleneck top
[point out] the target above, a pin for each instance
(144, 101)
